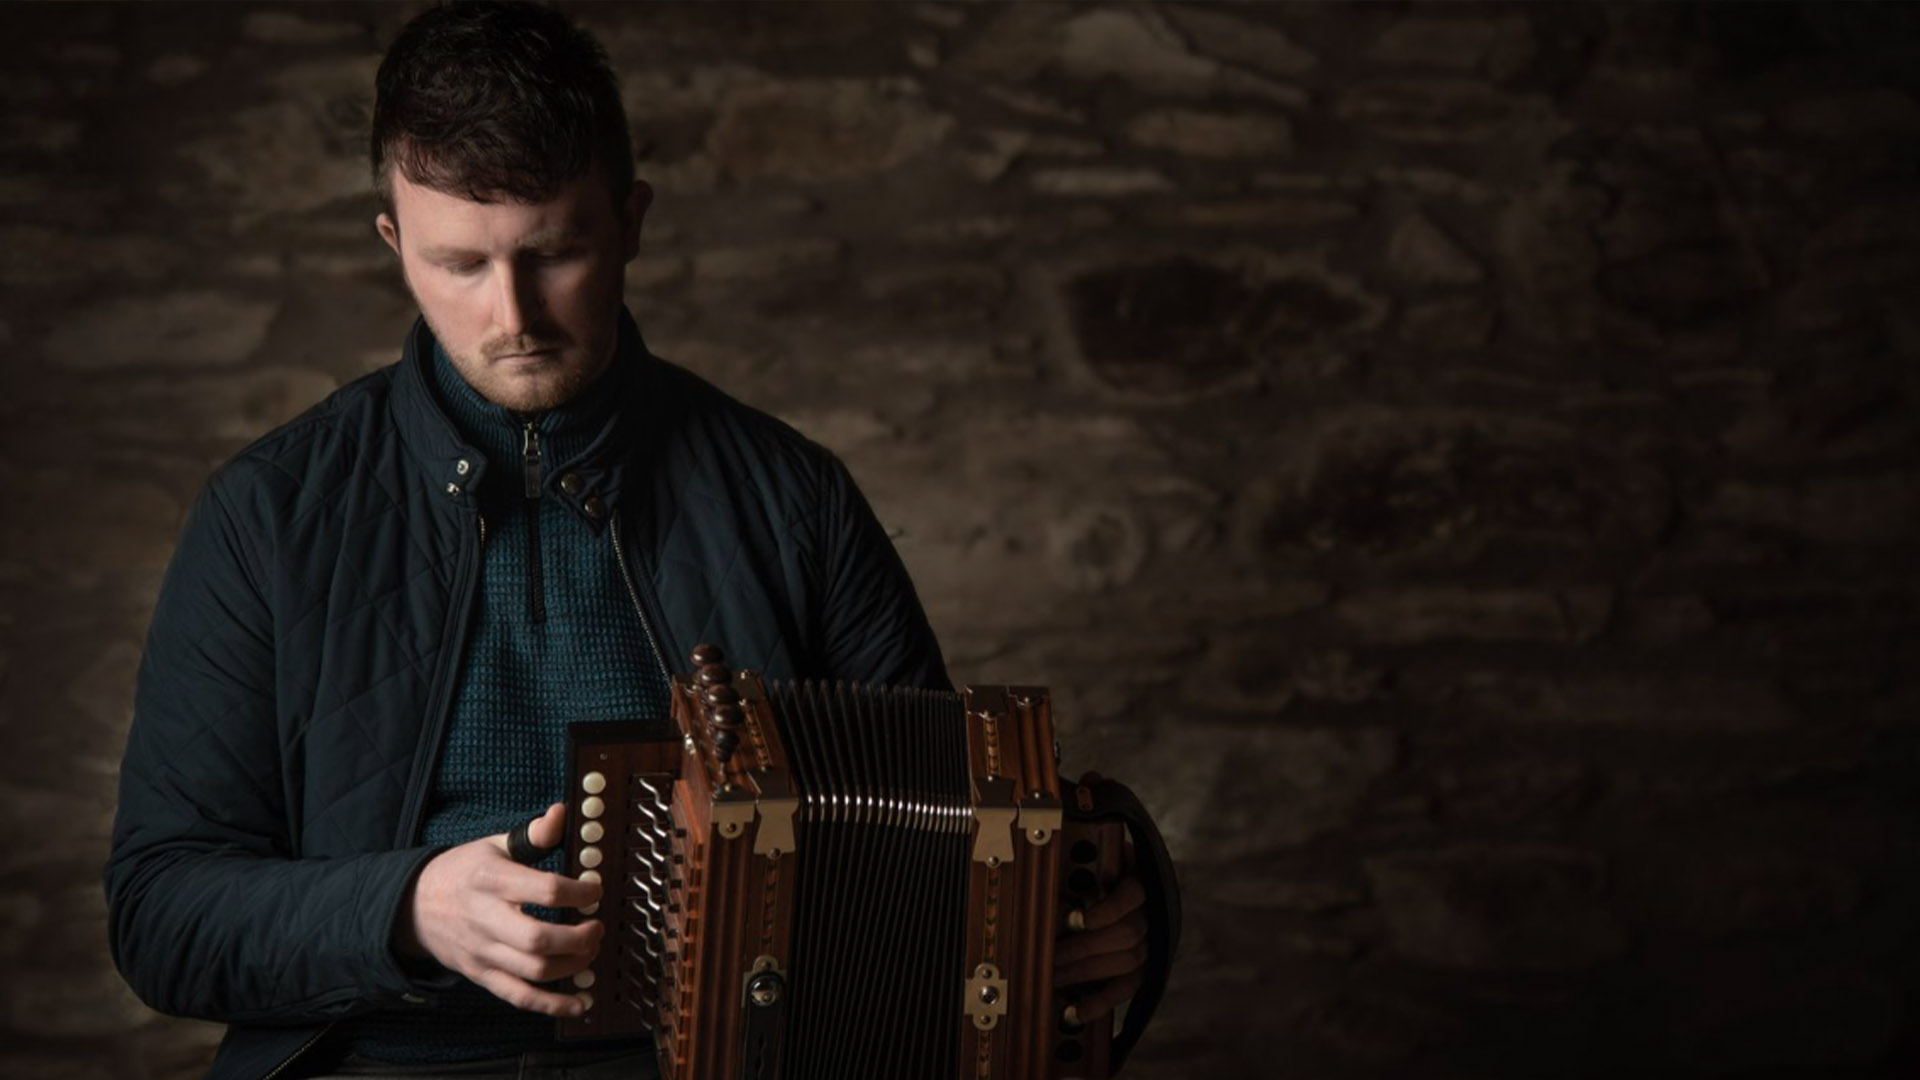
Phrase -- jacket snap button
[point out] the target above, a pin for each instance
(594, 507)
(463, 466)
(453, 490)
(570, 483)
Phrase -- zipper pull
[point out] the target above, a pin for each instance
(530, 450)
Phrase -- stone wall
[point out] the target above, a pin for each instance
(1457, 461)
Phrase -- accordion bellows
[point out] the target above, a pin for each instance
(823, 881)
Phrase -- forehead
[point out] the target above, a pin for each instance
(433, 219)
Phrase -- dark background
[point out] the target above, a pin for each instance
(1456, 461)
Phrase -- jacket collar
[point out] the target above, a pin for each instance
(453, 467)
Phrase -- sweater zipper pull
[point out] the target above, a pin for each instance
(530, 451)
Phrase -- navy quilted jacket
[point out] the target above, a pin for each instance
(303, 653)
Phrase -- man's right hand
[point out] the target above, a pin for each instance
(464, 911)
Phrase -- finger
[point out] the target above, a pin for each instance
(532, 967)
(1126, 896)
(521, 994)
(1103, 999)
(538, 937)
(1119, 937)
(1110, 965)
(549, 829)
(519, 884)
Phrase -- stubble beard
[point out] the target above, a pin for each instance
(548, 388)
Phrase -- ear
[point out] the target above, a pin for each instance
(633, 211)
(389, 230)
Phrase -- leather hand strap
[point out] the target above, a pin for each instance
(1099, 799)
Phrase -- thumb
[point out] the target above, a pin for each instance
(549, 829)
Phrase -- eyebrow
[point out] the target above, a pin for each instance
(548, 239)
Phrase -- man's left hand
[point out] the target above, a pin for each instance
(1110, 954)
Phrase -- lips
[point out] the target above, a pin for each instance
(527, 357)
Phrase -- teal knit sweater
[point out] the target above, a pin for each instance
(554, 638)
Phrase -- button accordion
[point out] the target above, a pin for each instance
(826, 880)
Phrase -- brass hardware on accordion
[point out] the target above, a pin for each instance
(821, 881)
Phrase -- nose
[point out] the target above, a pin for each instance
(516, 302)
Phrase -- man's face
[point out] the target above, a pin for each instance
(524, 297)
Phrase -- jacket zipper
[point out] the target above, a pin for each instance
(633, 592)
(455, 635)
(295, 1056)
(536, 583)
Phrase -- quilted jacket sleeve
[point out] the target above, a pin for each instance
(210, 913)
(874, 627)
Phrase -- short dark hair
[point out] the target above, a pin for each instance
(497, 101)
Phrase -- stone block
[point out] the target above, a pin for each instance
(291, 28)
(37, 256)
(188, 328)
(1482, 907)
(1446, 111)
(299, 148)
(1498, 46)
(1284, 889)
(1213, 134)
(821, 130)
(765, 261)
(233, 409)
(1178, 327)
(1229, 793)
(1443, 487)
(172, 69)
(1881, 508)
(1236, 40)
(1423, 255)
(1255, 674)
(1722, 893)
(1099, 181)
(1461, 324)
(120, 525)
(943, 293)
(1684, 703)
(1536, 793)
(1096, 548)
(22, 914)
(1247, 214)
(67, 1003)
(1378, 1026)
(1412, 616)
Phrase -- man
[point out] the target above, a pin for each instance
(381, 616)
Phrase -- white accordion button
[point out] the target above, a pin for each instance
(586, 1000)
(584, 979)
(594, 783)
(593, 806)
(589, 857)
(592, 831)
(593, 876)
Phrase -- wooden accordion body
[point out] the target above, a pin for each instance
(820, 881)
